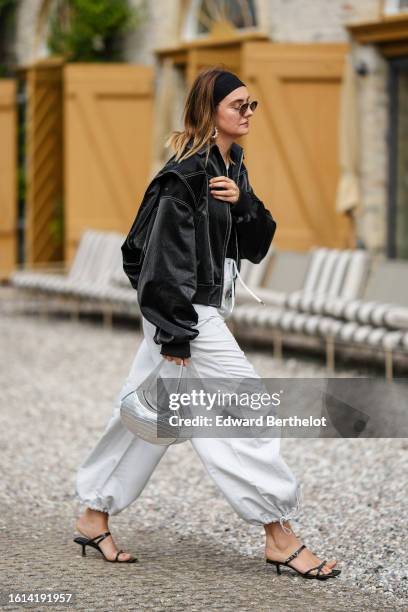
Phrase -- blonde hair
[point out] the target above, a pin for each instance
(198, 117)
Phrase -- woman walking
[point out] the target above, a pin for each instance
(207, 219)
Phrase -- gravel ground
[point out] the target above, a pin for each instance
(354, 506)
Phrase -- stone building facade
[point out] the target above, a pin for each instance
(284, 21)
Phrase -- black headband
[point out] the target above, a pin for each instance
(224, 84)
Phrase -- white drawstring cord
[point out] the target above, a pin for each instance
(235, 268)
(292, 513)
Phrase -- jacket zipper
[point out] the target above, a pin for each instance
(228, 230)
(237, 251)
(225, 252)
(208, 236)
(236, 237)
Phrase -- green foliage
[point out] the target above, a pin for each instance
(21, 183)
(4, 71)
(4, 4)
(7, 27)
(56, 226)
(89, 30)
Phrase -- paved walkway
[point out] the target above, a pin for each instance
(194, 552)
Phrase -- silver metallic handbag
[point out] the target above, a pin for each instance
(145, 410)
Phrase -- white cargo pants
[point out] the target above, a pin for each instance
(249, 471)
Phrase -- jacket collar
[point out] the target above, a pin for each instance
(236, 150)
(237, 155)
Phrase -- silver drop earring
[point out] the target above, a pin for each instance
(215, 133)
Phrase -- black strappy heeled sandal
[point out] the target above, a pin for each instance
(94, 542)
(307, 574)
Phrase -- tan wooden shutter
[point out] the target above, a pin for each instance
(292, 147)
(8, 161)
(44, 161)
(108, 146)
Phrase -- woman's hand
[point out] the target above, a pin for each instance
(178, 360)
(224, 188)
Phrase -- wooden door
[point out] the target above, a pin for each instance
(206, 57)
(291, 150)
(108, 146)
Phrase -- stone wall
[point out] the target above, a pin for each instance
(316, 20)
(27, 14)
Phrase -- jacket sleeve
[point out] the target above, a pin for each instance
(168, 282)
(254, 223)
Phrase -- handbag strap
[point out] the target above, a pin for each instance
(178, 383)
(179, 376)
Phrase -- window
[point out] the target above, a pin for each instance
(394, 7)
(202, 15)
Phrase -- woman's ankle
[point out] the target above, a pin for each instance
(95, 516)
(277, 538)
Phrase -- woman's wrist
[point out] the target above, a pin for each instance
(243, 204)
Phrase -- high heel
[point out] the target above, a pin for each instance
(277, 563)
(307, 574)
(94, 543)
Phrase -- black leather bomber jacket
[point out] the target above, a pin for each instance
(175, 251)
